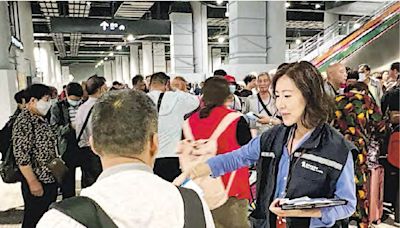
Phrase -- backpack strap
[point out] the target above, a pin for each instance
(85, 211)
(193, 209)
(187, 130)
(226, 121)
(159, 101)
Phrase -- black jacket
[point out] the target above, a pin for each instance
(317, 164)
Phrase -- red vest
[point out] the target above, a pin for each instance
(227, 142)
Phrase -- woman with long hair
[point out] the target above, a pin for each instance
(304, 156)
(216, 98)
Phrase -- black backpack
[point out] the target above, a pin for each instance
(9, 170)
(88, 213)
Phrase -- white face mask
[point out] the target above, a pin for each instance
(232, 88)
(74, 103)
(43, 107)
(361, 77)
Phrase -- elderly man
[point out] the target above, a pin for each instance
(337, 76)
(127, 193)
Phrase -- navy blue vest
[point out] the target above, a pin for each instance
(315, 169)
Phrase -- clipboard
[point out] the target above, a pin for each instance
(308, 203)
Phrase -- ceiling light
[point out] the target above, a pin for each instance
(298, 41)
(219, 2)
(287, 4)
(111, 54)
(317, 6)
(130, 38)
(356, 25)
(105, 58)
(119, 47)
(221, 39)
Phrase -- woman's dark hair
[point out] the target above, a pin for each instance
(307, 78)
(21, 95)
(37, 91)
(353, 75)
(215, 92)
(359, 86)
(74, 89)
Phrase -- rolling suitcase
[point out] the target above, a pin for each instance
(375, 196)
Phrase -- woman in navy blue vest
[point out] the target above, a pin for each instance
(304, 156)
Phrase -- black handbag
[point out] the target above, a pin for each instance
(9, 170)
(58, 168)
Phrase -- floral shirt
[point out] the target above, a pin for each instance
(34, 144)
(359, 119)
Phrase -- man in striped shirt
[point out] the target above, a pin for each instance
(63, 115)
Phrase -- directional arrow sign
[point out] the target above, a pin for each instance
(104, 24)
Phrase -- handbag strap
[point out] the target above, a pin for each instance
(84, 124)
(263, 105)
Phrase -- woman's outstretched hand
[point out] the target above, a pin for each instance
(197, 171)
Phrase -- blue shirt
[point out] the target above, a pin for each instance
(250, 153)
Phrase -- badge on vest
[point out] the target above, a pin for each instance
(313, 168)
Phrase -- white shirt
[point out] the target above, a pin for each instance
(80, 120)
(174, 106)
(132, 196)
(255, 106)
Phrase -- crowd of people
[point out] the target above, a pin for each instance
(306, 134)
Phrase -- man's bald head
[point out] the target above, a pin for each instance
(337, 74)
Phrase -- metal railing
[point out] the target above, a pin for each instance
(336, 31)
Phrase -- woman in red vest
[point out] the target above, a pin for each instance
(216, 98)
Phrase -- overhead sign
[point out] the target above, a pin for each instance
(115, 27)
(111, 26)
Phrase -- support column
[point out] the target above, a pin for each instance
(134, 60)
(247, 32)
(329, 19)
(216, 58)
(65, 74)
(160, 64)
(113, 71)
(8, 77)
(27, 63)
(200, 38)
(147, 51)
(118, 69)
(125, 70)
(276, 30)
(256, 37)
(181, 43)
(108, 72)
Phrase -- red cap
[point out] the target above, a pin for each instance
(230, 78)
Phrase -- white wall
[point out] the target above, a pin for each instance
(380, 53)
(82, 71)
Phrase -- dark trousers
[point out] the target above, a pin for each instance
(392, 188)
(35, 207)
(68, 186)
(167, 168)
(91, 166)
(70, 158)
